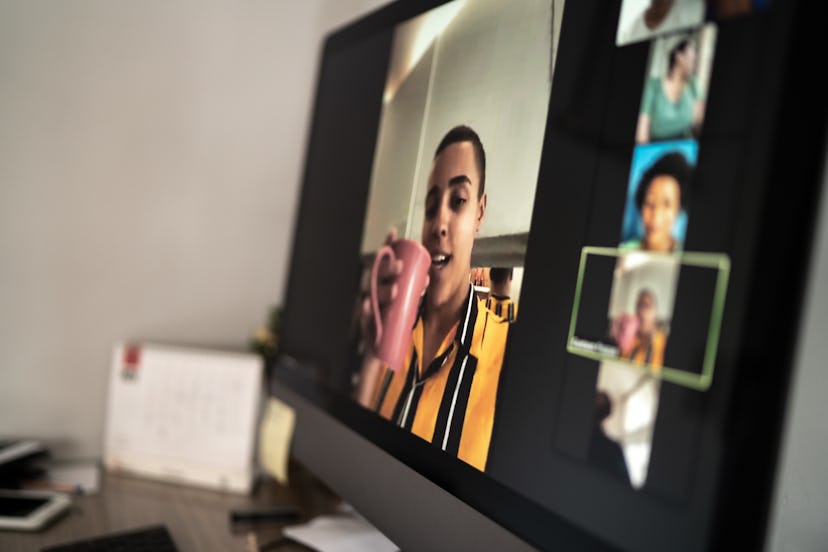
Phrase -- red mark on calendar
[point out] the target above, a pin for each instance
(131, 362)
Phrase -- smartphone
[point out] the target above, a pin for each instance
(30, 510)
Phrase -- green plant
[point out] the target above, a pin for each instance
(265, 340)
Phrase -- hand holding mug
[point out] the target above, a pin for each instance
(399, 278)
(388, 273)
(623, 330)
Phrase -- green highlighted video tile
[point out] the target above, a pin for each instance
(660, 313)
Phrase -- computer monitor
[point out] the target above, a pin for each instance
(616, 200)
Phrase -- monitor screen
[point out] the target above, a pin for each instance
(536, 245)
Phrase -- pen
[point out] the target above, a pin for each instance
(280, 513)
(54, 486)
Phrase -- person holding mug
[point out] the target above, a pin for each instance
(650, 338)
(444, 391)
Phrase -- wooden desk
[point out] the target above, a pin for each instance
(198, 519)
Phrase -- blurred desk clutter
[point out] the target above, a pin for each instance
(344, 531)
(196, 518)
(195, 455)
(153, 538)
(20, 460)
(28, 464)
(16, 450)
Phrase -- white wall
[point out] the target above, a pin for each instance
(395, 161)
(492, 72)
(150, 156)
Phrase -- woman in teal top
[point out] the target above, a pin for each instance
(672, 107)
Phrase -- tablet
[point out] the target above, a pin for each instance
(30, 510)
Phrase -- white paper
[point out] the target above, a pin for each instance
(275, 437)
(340, 533)
(183, 415)
(84, 476)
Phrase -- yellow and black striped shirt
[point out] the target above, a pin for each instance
(450, 402)
(503, 307)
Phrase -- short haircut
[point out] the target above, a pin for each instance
(499, 275)
(645, 292)
(463, 133)
(672, 164)
(679, 47)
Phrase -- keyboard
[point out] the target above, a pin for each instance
(155, 538)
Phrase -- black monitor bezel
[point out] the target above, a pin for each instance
(747, 466)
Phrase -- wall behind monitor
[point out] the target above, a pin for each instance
(150, 158)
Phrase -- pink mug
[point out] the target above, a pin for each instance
(395, 324)
(624, 330)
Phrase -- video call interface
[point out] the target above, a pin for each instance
(520, 351)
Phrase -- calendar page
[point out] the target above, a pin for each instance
(183, 414)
